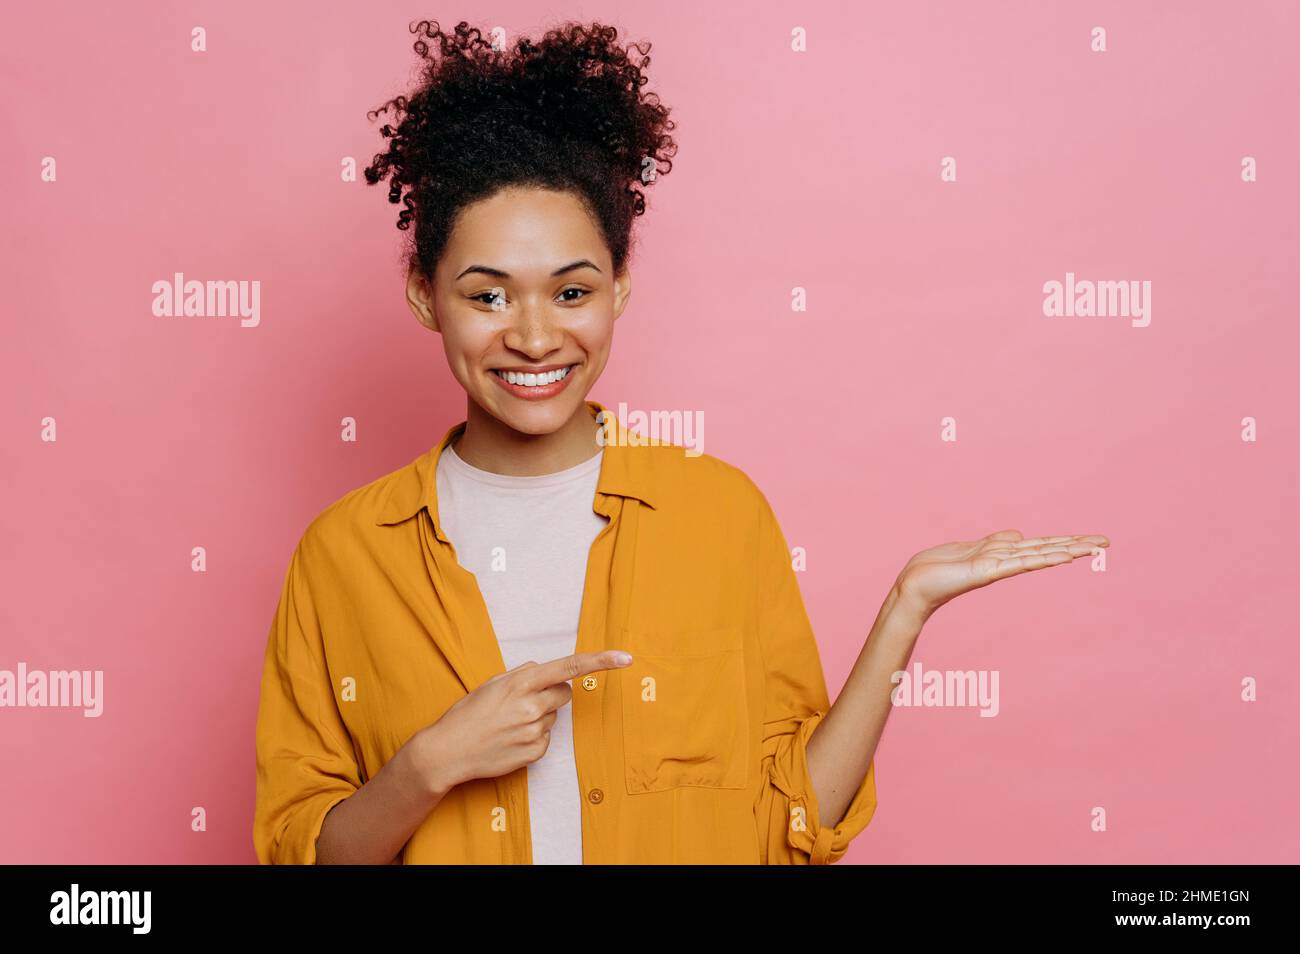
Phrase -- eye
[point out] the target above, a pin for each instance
(496, 295)
(581, 291)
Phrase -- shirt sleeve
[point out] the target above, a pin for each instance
(790, 829)
(305, 760)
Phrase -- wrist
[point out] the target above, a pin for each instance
(904, 606)
(429, 764)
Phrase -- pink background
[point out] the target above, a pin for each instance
(820, 170)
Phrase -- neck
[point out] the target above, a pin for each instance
(491, 445)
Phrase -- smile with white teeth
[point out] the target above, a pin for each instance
(530, 380)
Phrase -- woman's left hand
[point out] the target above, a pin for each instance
(934, 576)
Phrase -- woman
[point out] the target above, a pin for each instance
(448, 676)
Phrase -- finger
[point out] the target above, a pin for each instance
(504, 673)
(1039, 541)
(571, 667)
(542, 724)
(552, 697)
(1094, 538)
(1074, 549)
(1005, 535)
(1030, 561)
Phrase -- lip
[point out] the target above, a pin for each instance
(536, 393)
(536, 369)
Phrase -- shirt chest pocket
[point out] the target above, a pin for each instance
(685, 714)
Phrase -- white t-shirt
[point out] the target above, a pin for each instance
(527, 540)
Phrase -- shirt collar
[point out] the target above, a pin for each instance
(623, 473)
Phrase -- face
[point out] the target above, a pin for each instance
(525, 300)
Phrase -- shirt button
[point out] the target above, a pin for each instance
(595, 796)
(589, 683)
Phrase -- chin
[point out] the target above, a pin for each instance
(543, 417)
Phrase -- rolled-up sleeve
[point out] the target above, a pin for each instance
(790, 828)
(305, 760)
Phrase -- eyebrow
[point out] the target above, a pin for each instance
(498, 273)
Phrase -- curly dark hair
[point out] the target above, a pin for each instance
(566, 113)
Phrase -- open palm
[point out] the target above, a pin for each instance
(934, 576)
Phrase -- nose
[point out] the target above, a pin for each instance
(533, 333)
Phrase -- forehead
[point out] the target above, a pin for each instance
(524, 230)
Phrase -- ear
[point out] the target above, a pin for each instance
(419, 295)
(622, 290)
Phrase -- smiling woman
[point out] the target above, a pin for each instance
(521, 171)
(420, 697)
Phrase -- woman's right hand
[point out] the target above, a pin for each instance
(504, 723)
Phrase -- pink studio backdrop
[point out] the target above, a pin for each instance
(819, 170)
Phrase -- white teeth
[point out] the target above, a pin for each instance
(531, 380)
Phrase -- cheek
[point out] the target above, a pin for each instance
(593, 335)
(466, 346)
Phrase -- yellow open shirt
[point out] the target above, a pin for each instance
(694, 754)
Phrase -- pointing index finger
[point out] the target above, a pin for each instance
(579, 664)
